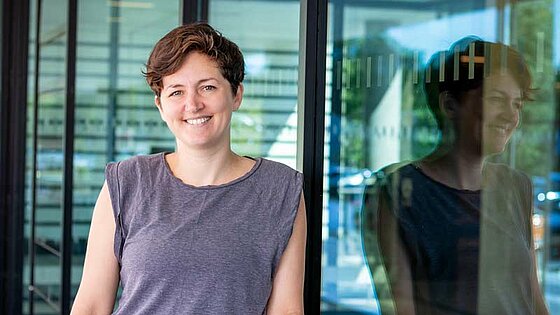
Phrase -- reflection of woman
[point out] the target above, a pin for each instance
(200, 230)
(454, 230)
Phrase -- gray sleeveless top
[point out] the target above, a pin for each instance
(199, 250)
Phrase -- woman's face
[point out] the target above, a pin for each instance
(488, 116)
(196, 102)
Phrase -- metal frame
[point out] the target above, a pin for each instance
(194, 11)
(315, 25)
(13, 106)
(68, 177)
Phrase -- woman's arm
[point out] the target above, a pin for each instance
(395, 260)
(100, 277)
(287, 288)
(540, 304)
(540, 307)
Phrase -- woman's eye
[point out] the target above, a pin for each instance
(175, 93)
(496, 99)
(208, 88)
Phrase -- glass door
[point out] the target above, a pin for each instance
(393, 75)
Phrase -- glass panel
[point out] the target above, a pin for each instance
(115, 112)
(268, 34)
(29, 155)
(49, 154)
(448, 204)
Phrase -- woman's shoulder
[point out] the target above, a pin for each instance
(278, 175)
(139, 167)
(392, 173)
(502, 172)
(133, 175)
(137, 162)
(277, 167)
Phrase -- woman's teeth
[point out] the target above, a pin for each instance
(197, 121)
(499, 128)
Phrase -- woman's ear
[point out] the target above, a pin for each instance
(238, 97)
(157, 102)
(448, 105)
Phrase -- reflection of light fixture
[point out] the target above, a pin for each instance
(552, 195)
(131, 4)
(353, 180)
(537, 220)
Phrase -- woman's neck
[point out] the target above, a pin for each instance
(207, 167)
(456, 168)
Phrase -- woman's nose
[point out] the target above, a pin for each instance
(510, 110)
(193, 103)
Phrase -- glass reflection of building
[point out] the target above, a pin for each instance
(377, 116)
(374, 116)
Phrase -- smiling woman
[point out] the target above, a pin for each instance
(200, 229)
(196, 102)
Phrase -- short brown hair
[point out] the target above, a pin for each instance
(459, 77)
(170, 51)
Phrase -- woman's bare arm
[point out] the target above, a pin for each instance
(100, 277)
(287, 288)
(395, 260)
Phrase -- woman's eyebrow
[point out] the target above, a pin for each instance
(173, 86)
(505, 94)
(206, 80)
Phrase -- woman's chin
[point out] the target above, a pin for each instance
(493, 149)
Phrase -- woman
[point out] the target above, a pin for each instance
(453, 229)
(200, 230)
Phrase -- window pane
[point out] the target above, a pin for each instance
(268, 34)
(51, 93)
(380, 87)
(29, 156)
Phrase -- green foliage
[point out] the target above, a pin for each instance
(533, 31)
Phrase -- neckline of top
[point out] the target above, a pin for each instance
(169, 173)
(463, 191)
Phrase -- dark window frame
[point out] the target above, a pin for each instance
(313, 143)
(13, 105)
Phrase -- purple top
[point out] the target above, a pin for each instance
(199, 250)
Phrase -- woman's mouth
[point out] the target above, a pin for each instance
(198, 120)
(502, 129)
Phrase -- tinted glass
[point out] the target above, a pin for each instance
(430, 211)
(268, 34)
(50, 94)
